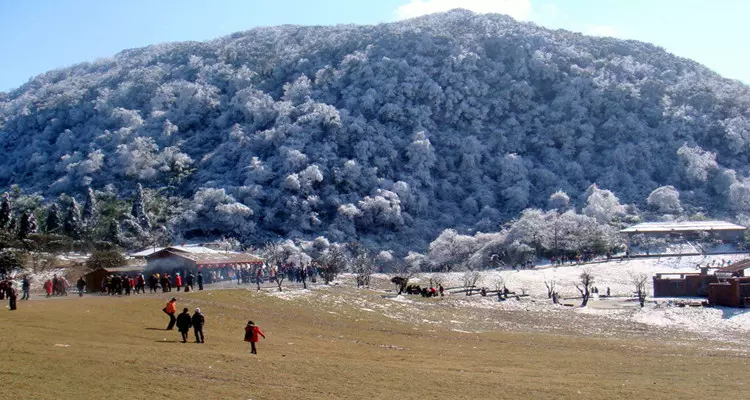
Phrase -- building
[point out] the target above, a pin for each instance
(186, 248)
(683, 285)
(728, 286)
(724, 231)
(178, 259)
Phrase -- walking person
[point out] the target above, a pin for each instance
(198, 321)
(190, 280)
(183, 324)
(178, 281)
(80, 285)
(200, 281)
(25, 285)
(170, 309)
(251, 335)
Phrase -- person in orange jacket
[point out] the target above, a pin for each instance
(251, 335)
(178, 281)
(170, 309)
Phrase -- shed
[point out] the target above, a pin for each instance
(94, 278)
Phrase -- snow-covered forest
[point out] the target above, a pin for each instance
(386, 134)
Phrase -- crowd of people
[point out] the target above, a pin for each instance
(57, 286)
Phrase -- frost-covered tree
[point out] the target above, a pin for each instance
(90, 212)
(53, 222)
(138, 210)
(72, 226)
(6, 211)
(559, 201)
(665, 199)
(602, 205)
(450, 251)
(26, 225)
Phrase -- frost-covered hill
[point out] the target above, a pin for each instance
(384, 133)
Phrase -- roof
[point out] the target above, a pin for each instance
(117, 270)
(188, 248)
(736, 267)
(686, 226)
(218, 257)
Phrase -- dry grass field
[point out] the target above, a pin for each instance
(101, 347)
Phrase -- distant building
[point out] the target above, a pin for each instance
(728, 286)
(187, 248)
(725, 231)
(180, 259)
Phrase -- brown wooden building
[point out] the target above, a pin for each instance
(175, 260)
(94, 278)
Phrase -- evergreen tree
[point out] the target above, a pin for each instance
(53, 223)
(26, 225)
(72, 223)
(6, 212)
(139, 210)
(114, 233)
(89, 209)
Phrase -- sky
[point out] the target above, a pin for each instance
(40, 35)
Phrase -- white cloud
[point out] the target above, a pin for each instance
(600, 30)
(518, 9)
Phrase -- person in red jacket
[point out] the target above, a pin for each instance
(178, 281)
(48, 287)
(251, 335)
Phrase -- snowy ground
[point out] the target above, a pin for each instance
(618, 316)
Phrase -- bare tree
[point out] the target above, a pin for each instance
(363, 266)
(333, 262)
(584, 286)
(551, 285)
(470, 280)
(280, 279)
(640, 283)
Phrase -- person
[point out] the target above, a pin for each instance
(80, 285)
(198, 321)
(170, 309)
(183, 324)
(12, 297)
(608, 292)
(25, 285)
(200, 281)
(251, 335)
(190, 280)
(178, 281)
(441, 289)
(48, 287)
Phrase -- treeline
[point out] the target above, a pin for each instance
(386, 134)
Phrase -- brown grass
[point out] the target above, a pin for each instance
(100, 347)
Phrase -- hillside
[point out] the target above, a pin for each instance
(386, 134)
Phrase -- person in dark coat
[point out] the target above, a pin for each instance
(25, 285)
(80, 285)
(190, 281)
(198, 321)
(200, 281)
(183, 324)
(12, 297)
(251, 335)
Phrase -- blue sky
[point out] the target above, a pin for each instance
(39, 35)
